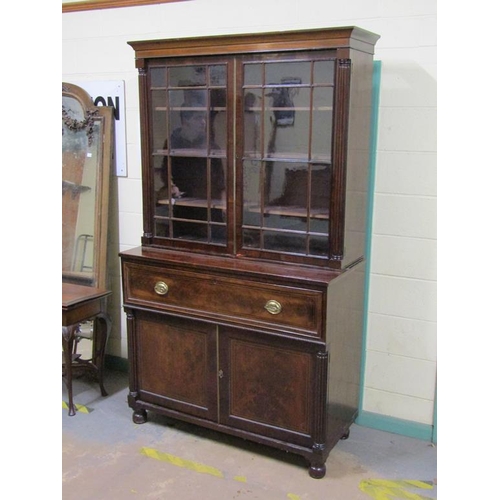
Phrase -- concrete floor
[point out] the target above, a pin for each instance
(106, 456)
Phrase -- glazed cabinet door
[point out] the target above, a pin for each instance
(286, 162)
(175, 363)
(271, 386)
(187, 120)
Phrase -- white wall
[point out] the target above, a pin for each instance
(401, 339)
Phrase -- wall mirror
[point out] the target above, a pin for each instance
(86, 169)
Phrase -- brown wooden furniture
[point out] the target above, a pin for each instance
(87, 133)
(83, 303)
(245, 301)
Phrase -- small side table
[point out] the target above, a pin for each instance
(83, 303)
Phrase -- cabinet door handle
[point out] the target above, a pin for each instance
(273, 307)
(161, 288)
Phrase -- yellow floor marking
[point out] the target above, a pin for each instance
(180, 462)
(80, 408)
(188, 464)
(385, 489)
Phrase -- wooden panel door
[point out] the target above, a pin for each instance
(270, 385)
(176, 364)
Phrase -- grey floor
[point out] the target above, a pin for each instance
(106, 456)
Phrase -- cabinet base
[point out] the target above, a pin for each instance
(317, 466)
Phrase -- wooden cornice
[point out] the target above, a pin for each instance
(321, 38)
(108, 4)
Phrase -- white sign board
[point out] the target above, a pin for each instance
(112, 93)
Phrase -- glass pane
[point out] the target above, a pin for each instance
(279, 186)
(319, 221)
(218, 133)
(159, 118)
(218, 76)
(189, 175)
(283, 242)
(252, 122)
(252, 74)
(322, 123)
(187, 76)
(217, 234)
(281, 219)
(320, 190)
(186, 229)
(160, 175)
(251, 193)
(251, 238)
(217, 182)
(323, 72)
(287, 122)
(158, 77)
(218, 121)
(194, 100)
(163, 206)
(319, 246)
(290, 72)
(162, 228)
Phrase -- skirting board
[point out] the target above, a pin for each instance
(396, 425)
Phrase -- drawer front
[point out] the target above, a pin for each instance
(236, 300)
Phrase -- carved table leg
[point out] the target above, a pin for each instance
(68, 340)
(102, 329)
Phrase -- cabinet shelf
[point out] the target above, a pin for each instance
(203, 109)
(192, 153)
(289, 211)
(257, 109)
(320, 160)
(193, 202)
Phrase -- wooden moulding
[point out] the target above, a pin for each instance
(322, 38)
(108, 4)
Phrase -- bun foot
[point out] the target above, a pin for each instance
(317, 471)
(140, 417)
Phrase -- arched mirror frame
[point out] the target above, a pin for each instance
(101, 135)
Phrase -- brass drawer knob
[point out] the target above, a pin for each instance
(273, 307)
(161, 288)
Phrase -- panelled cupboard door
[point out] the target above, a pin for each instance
(268, 384)
(176, 364)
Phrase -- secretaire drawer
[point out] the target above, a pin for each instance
(210, 296)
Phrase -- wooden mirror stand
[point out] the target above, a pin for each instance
(87, 133)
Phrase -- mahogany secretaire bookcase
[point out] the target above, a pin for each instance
(244, 303)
